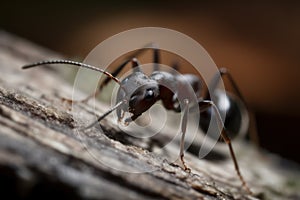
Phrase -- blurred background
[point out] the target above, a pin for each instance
(258, 41)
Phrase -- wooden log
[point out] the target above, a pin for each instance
(43, 154)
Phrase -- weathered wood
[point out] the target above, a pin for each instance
(42, 154)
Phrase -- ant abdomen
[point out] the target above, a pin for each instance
(236, 115)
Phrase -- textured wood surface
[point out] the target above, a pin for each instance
(42, 153)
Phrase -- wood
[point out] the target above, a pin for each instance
(43, 155)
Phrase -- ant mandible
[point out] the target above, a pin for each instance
(138, 92)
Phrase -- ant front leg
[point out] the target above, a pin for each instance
(183, 131)
(204, 105)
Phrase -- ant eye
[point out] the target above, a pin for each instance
(149, 94)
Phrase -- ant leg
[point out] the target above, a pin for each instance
(156, 59)
(175, 67)
(127, 60)
(252, 124)
(115, 73)
(205, 104)
(183, 130)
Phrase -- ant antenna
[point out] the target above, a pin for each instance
(104, 115)
(69, 62)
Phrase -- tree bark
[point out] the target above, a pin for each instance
(43, 154)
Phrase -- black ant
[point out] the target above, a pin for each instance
(138, 92)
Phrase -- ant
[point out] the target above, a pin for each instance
(138, 92)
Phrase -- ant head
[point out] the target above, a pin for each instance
(141, 93)
(143, 98)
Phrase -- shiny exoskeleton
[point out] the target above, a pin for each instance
(138, 92)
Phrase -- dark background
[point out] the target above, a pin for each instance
(258, 41)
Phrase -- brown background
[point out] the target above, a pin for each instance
(258, 42)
